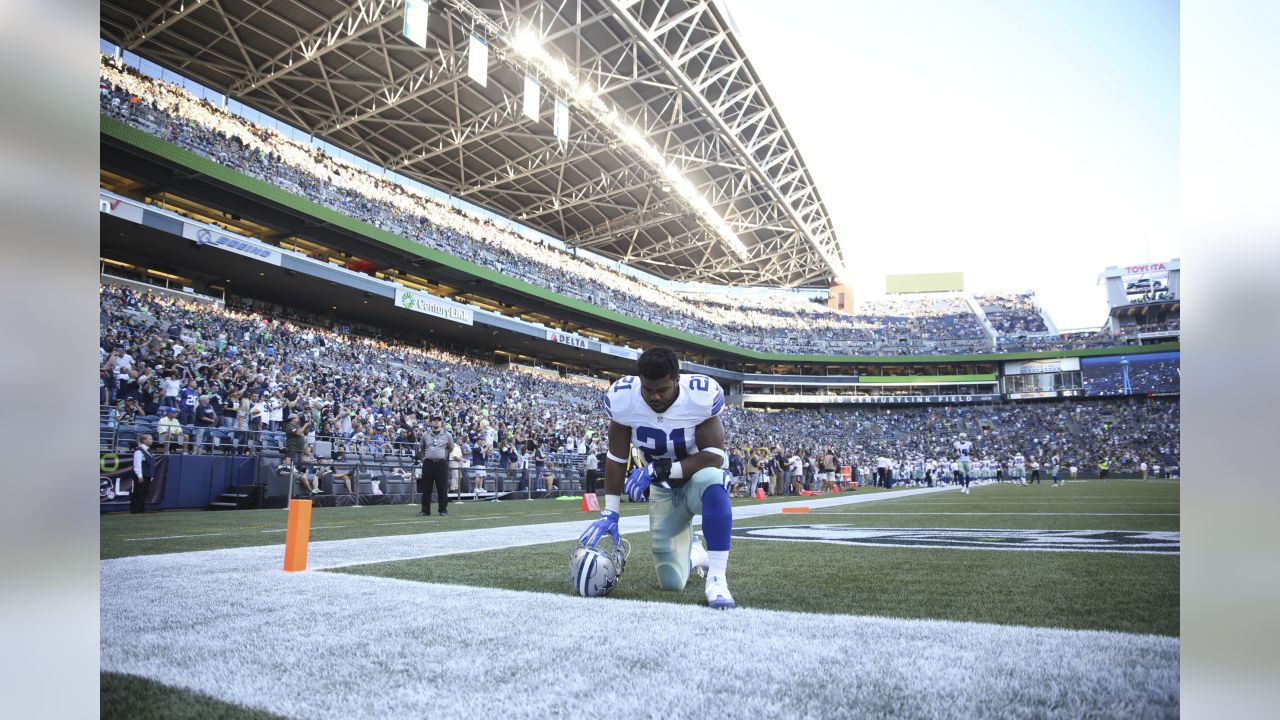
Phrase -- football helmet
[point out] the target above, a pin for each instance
(595, 571)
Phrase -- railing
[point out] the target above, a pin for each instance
(392, 466)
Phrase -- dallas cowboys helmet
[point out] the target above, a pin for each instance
(594, 571)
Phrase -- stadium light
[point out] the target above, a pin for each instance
(528, 45)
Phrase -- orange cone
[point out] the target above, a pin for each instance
(759, 493)
(590, 503)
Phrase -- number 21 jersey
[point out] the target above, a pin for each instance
(671, 434)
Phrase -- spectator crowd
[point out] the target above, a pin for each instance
(945, 324)
(211, 378)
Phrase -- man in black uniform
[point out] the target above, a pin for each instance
(594, 462)
(433, 447)
(143, 471)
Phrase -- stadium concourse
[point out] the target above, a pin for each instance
(370, 396)
(941, 324)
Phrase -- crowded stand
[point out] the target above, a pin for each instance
(1013, 314)
(1170, 325)
(1123, 434)
(1064, 341)
(365, 396)
(214, 379)
(774, 323)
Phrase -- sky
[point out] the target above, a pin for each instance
(1029, 144)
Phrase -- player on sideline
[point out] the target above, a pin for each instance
(963, 448)
(673, 418)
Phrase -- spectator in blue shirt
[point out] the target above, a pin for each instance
(188, 398)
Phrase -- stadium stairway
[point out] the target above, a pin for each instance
(238, 497)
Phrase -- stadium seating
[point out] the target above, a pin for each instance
(775, 323)
(390, 385)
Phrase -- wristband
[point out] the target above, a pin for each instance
(613, 503)
(677, 471)
(615, 458)
(662, 469)
(715, 450)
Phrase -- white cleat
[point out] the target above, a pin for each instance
(718, 597)
(698, 559)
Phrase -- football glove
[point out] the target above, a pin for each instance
(638, 481)
(608, 523)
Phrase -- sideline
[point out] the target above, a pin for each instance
(209, 611)
(329, 554)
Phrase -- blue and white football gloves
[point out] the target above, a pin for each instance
(638, 481)
(608, 523)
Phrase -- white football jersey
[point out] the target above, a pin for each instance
(962, 449)
(671, 434)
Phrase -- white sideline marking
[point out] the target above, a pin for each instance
(404, 654)
(367, 652)
(1080, 514)
(403, 522)
(178, 537)
(1056, 501)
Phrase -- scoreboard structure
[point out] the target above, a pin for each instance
(1143, 295)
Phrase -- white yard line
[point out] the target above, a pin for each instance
(313, 527)
(231, 624)
(179, 537)
(1074, 514)
(333, 645)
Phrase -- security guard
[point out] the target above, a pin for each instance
(433, 448)
(143, 471)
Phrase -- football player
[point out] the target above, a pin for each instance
(673, 419)
(963, 447)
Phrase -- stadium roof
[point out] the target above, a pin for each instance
(676, 162)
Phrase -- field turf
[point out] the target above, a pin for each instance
(869, 591)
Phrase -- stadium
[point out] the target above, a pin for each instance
(323, 225)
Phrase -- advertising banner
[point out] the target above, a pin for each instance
(867, 399)
(1049, 365)
(431, 305)
(231, 243)
(616, 351)
(115, 478)
(1146, 374)
(565, 338)
(119, 207)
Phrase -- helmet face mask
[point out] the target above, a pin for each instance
(594, 572)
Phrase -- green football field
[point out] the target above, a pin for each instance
(1088, 556)
(123, 535)
(1081, 590)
